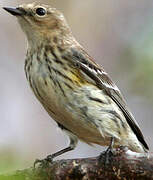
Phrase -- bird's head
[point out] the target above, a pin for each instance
(39, 21)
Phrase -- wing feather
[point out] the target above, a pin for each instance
(96, 73)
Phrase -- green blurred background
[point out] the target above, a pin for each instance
(118, 34)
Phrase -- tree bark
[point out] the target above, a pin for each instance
(122, 164)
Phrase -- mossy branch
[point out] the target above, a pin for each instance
(123, 164)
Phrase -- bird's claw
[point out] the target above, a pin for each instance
(43, 162)
(106, 155)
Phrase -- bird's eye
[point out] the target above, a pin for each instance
(40, 11)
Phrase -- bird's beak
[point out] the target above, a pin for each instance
(15, 11)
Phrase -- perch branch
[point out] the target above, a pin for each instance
(123, 164)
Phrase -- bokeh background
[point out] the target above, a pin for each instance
(118, 34)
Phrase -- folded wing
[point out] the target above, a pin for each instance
(102, 80)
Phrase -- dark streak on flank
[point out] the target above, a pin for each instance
(52, 80)
(50, 75)
(60, 49)
(117, 116)
(69, 86)
(84, 110)
(61, 88)
(65, 68)
(46, 83)
(96, 99)
(46, 58)
(64, 57)
(49, 69)
(58, 61)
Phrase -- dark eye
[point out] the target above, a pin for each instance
(40, 11)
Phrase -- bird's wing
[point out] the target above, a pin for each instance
(96, 73)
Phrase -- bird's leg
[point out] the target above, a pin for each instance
(110, 147)
(71, 146)
(49, 158)
(108, 153)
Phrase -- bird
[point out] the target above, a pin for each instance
(74, 90)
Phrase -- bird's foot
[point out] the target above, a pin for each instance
(107, 156)
(44, 162)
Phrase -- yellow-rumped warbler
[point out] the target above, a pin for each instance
(75, 91)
